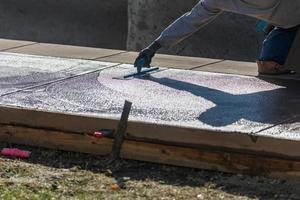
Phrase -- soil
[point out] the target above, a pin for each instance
(51, 174)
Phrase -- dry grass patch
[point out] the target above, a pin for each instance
(50, 174)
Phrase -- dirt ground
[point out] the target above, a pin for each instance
(50, 174)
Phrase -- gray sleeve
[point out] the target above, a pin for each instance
(203, 13)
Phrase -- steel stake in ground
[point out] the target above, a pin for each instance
(121, 131)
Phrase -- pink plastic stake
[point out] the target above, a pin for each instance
(15, 152)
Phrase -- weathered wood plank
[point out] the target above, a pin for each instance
(217, 161)
(55, 140)
(157, 153)
(154, 133)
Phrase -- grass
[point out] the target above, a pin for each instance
(50, 174)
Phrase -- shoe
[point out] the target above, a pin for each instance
(271, 68)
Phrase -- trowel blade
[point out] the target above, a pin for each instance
(138, 75)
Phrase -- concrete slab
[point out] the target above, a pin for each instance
(65, 51)
(180, 62)
(8, 44)
(290, 126)
(18, 71)
(231, 67)
(210, 101)
(241, 68)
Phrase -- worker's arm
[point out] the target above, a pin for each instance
(204, 12)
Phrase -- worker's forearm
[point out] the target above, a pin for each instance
(154, 46)
(187, 24)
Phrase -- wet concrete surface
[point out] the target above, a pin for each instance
(286, 129)
(18, 71)
(226, 103)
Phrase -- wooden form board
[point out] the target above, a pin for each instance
(154, 133)
(158, 153)
(293, 60)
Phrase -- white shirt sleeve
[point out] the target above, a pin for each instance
(204, 12)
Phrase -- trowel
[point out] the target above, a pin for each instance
(140, 73)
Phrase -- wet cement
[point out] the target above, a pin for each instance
(226, 103)
(18, 71)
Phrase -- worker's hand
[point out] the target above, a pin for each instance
(147, 54)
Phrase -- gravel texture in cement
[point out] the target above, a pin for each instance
(227, 103)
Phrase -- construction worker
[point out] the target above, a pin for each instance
(284, 15)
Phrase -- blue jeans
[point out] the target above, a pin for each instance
(277, 44)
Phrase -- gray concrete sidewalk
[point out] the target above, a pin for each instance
(180, 62)
(120, 56)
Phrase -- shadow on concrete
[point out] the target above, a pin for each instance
(271, 107)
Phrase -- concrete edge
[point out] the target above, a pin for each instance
(195, 157)
(154, 133)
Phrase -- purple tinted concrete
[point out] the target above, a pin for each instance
(19, 71)
(225, 103)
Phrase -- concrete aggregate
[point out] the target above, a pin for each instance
(224, 103)
(19, 71)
